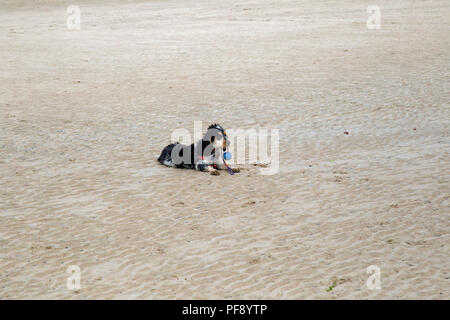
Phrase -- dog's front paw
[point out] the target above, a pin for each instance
(212, 171)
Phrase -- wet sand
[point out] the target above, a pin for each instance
(84, 114)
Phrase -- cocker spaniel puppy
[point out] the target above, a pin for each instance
(206, 154)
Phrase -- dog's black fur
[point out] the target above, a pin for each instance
(203, 154)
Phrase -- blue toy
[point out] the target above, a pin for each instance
(227, 155)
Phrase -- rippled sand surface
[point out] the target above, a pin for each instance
(84, 114)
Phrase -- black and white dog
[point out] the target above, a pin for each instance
(203, 155)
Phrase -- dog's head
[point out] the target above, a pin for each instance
(217, 136)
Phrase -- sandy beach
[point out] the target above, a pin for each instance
(364, 139)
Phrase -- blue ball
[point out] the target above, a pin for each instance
(227, 155)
